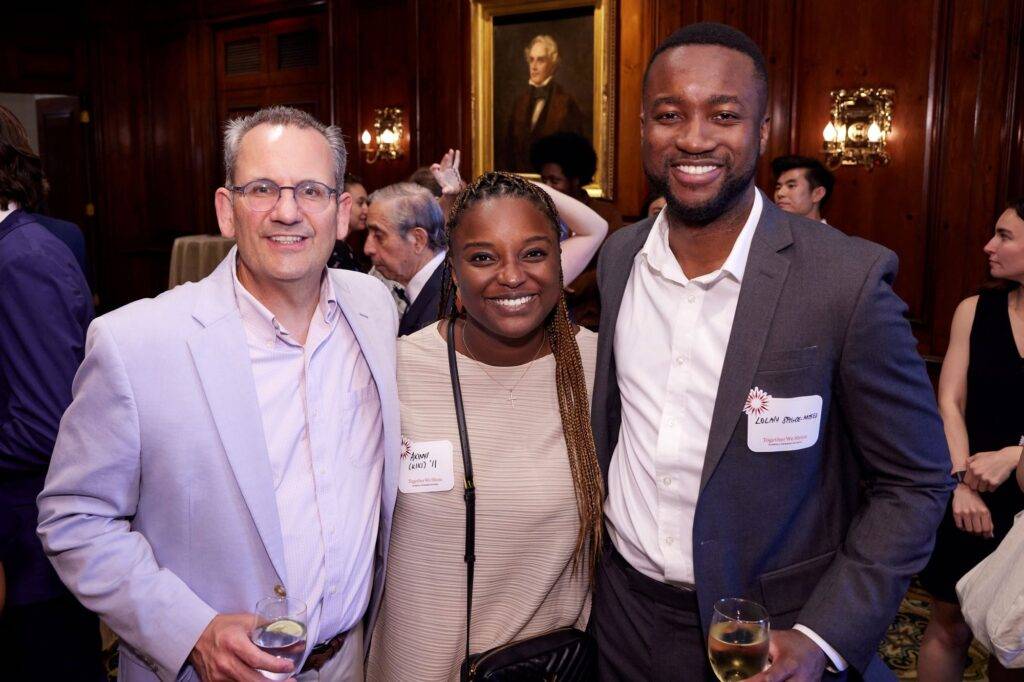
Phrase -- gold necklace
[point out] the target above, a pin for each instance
(511, 396)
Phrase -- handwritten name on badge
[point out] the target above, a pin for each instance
(780, 424)
(426, 467)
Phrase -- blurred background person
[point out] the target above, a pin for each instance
(405, 241)
(45, 309)
(348, 252)
(653, 205)
(567, 162)
(802, 185)
(979, 388)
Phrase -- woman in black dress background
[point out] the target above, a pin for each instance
(980, 391)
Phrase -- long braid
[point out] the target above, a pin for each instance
(570, 380)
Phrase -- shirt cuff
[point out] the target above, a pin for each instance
(839, 663)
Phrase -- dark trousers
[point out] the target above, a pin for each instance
(645, 629)
(56, 639)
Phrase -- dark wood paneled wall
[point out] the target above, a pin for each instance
(148, 79)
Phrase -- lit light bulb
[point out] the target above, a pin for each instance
(841, 132)
(874, 132)
(387, 136)
(829, 133)
(365, 138)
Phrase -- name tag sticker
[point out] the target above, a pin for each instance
(780, 424)
(426, 467)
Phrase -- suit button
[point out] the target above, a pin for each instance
(280, 591)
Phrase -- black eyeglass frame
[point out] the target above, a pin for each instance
(240, 189)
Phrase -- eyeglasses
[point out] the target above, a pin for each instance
(263, 195)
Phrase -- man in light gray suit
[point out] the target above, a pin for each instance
(764, 423)
(229, 440)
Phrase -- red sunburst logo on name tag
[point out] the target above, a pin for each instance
(406, 447)
(757, 402)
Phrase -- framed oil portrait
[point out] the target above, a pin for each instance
(542, 67)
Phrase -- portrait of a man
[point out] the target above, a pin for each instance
(541, 108)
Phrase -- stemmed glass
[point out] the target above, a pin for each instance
(280, 631)
(738, 639)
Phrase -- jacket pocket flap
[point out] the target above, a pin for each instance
(787, 589)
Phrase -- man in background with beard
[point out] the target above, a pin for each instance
(761, 415)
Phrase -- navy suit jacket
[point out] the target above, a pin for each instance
(71, 235)
(45, 308)
(423, 311)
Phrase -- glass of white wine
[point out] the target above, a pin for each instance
(280, 631)
(738, 639)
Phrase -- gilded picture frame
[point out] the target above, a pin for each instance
(493, 21)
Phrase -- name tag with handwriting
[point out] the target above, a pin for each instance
(780, 424)
(426, 467)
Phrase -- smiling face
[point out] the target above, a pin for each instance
(703, 129)
(505, 262)
(794, 194)
(542, 65)
(285, 245)
(1005, 250)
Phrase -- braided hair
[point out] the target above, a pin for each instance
(573, 402)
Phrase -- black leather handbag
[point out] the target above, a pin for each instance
(562, 655)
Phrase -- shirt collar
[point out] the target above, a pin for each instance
(660, 258)
(262, 323)
(419, 280)
(545, 84)
(11, 208)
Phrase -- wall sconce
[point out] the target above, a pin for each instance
(387, 135)
(859, 126)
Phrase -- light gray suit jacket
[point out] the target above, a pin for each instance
(828, 536)
(159, 509)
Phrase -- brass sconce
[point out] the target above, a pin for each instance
(386, 140)
(860, 123)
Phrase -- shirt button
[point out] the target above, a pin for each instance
(692, 298)
(667, 480)
(669, 540)
(334, 590)
(680, 360)
(670, 422)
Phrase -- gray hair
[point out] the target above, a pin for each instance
(236, 128)
(549, 45)
(414, 206)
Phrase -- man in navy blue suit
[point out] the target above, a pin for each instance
(45, 308)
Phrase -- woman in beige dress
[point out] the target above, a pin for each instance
(526, 374)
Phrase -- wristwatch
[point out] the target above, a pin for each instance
(958, 476)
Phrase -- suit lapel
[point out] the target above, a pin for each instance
(763, 279)
(359, 317)
(221, 355)
(416, 313)
(616, 273)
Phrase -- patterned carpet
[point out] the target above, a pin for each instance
(899, 650)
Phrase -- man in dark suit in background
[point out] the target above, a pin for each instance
(45, 308)
(543, 109)
(405, 241)
(763, 421)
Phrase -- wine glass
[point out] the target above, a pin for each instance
(738, 639)
(280, 631)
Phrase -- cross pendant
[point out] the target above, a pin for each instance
(512, 400)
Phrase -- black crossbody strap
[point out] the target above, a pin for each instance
(467, 466)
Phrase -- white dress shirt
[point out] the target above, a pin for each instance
(670, 341)
(324, 431)
(11, 208)
(419, 280)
